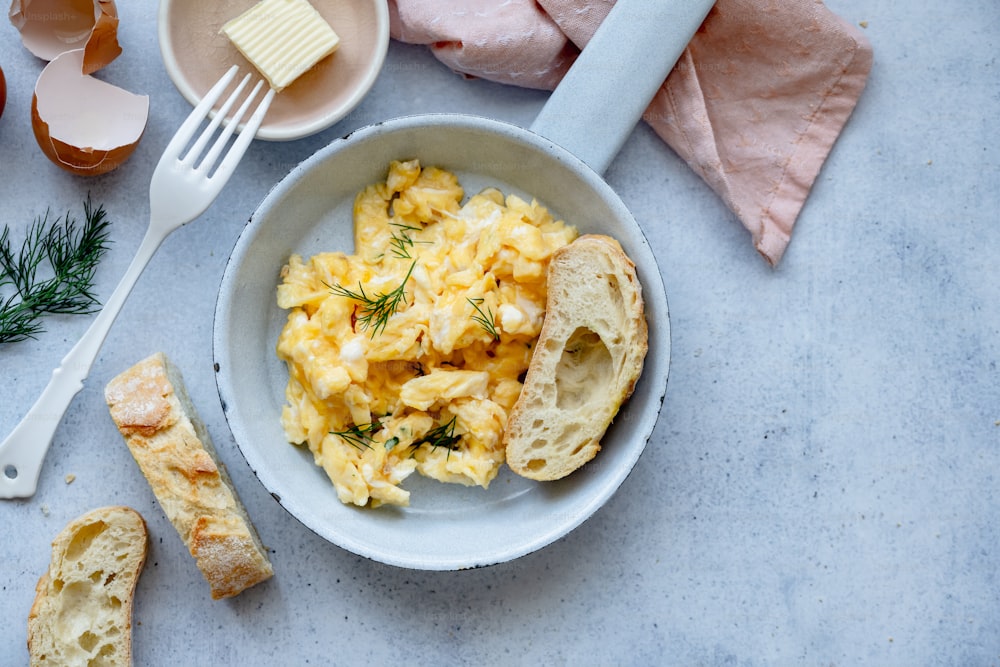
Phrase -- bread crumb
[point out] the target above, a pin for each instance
(70, 478)
(45, 509)
(863, 24)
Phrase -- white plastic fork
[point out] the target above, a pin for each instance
(183, 185)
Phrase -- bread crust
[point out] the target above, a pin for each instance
(82, 611)
(588, 358)
(150, 406)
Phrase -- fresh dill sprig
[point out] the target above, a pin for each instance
(362, 436)
(484, 319)
(52, 273)
(377, 309)
(442, 436)
(359, 435)
(401, 242)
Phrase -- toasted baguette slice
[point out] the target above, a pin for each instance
(151, 408)
(82, 614)
(589, 355)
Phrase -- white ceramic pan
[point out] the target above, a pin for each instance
(559, 162)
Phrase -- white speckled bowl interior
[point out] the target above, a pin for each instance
(446, 526)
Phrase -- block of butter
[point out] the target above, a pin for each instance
(282, 38)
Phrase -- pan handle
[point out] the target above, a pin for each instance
(604, 94)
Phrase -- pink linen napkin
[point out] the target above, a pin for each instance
(754, 105)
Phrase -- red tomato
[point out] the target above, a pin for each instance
(3, 91)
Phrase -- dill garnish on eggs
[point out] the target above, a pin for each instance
(378, 308)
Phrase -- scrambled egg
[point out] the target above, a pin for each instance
(409, 354)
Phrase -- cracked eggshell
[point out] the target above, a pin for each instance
(83, 124)
(51, 27)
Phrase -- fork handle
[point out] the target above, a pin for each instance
(23, 451)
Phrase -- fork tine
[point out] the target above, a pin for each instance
(246, 135)
(224, 136)
(198, 114)
(220, 115)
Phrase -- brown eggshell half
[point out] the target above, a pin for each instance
(83, 124)
(51, 27)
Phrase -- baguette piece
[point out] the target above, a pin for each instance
(82, 613)
(589, 356)
(150, 406)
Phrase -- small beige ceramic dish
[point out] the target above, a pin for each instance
(196, 55)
